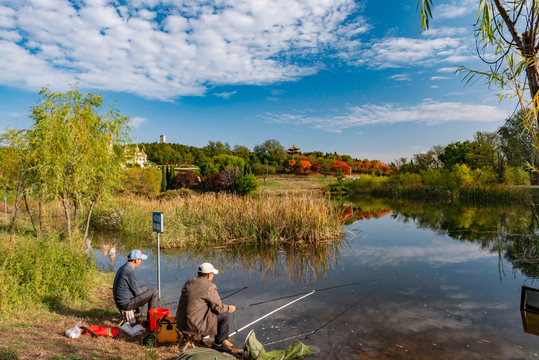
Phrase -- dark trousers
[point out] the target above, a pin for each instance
(222, 328)
(148, 296)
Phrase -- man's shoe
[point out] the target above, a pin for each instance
(221, 348)
(228, 343)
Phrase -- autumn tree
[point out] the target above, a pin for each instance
(72, 148)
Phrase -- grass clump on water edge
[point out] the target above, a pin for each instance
(44, 271)
(221, 219)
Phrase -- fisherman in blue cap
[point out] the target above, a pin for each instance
(128, 294)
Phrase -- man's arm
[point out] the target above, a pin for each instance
(214, 301)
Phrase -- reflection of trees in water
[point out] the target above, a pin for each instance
(304, 263)
(511, 230)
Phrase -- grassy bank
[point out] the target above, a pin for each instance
(412, 187)
(35, 332)
(203, 220)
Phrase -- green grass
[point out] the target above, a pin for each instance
(43, 271)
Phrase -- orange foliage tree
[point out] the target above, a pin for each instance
(339, 164)
(304, 165)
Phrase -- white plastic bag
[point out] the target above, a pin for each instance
(133, 330)
(74, 332)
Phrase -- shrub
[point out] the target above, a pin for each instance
(260, 169)
(247, 184)
(142, 181)
(43, 270)
(516, 176)
(184, 179)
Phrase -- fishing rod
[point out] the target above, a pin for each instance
(234, 293)
(274, 311)
(306, 335)
(224, 292)
(302, 293)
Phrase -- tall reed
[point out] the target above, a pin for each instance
(224, 219)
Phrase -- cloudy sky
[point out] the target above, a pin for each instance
(352, 77)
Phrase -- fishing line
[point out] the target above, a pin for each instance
(325, 324)
(302, 293)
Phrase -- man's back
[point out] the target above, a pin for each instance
(199, 303)
(125, 284)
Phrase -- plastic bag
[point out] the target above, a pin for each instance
(133, 330)
(74, 332)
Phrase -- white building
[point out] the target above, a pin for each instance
(162, 139)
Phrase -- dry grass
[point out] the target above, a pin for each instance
(224, 219)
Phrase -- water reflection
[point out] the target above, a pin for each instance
(435, 268)
(303, 263)
(510, 231)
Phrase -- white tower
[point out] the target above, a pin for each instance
(162, 139)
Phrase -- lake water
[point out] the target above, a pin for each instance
(422, 281)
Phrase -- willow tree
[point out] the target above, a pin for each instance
(507, 37)
(73, 149)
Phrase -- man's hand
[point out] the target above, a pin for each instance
(231, 309)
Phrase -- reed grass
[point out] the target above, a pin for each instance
(221, 219)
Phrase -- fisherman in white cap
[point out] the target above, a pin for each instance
(200, 310)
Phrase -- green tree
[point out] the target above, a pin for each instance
(455, 153)
(15, 164)
(142, 181)
(242, 152)
(72, 149)
(163, 178)
(222, 161)
(272, 151)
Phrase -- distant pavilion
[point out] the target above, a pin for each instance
(293, 150)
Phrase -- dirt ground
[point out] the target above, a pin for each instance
(39, 336)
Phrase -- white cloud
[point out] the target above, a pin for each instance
(399, 52)
(164, 48)
(446, 32)
(401, 77)
(429, 112)
(455, 10)
(439, 78)
(137, 121)
(447, 69)
(225, 94)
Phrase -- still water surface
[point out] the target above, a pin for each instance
(430, 282)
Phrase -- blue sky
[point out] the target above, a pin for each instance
(352, 77)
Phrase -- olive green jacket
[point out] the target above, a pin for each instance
(198, 307)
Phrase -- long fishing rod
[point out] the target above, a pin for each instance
(302, 293)
(224, 292)
(306, 335)
(274, 311)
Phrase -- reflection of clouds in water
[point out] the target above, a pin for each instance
(438, 253)
(405, 320)
(474, 306)
(459, 296)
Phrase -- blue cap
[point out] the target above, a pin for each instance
(136, 254)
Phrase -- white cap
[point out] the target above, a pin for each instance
(207, 268)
